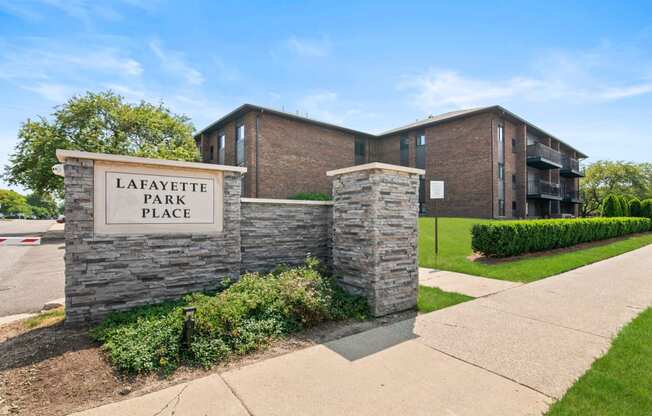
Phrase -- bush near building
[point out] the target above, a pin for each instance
(311, 196)
(635, 208)
(511, 238)
(611, 206)
(646, 208)
(243, 317)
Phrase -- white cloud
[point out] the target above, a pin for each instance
(85, 11)
(580, 77)
(309, 48)
(54, 92)
(175, 63)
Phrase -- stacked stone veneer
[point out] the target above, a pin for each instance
(368, 235)
(284, 232)
(375, 236)
(116, 272)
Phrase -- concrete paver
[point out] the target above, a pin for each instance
(543, 356)
(207, 396)
(407, 378)
(463, 283)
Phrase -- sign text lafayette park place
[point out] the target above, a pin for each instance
(133, 199)
(161, 198)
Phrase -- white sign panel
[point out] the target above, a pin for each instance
(144, 200)
(436, 189)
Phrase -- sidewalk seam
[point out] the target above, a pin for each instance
(487, 370)
(235, 394)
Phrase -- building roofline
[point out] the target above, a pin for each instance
(251, 107)
(426, 123)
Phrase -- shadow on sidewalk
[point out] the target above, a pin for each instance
(375, 340)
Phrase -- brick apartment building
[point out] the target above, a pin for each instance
(495, 164)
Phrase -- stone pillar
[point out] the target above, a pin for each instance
(375, 234)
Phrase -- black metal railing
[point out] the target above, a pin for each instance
(539, 187)
(542, 151)
(569, 163)
(569, 194)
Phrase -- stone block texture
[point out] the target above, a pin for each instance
(278, 233)
(118, 272)
(375, 237)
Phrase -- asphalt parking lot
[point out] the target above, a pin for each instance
(30, 276)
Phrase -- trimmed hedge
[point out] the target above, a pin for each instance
(511, 238)
(646, 208)
(635, 208)
(611, 206)
(311, 196)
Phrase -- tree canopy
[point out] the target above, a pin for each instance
(97, 122)
(626, 179)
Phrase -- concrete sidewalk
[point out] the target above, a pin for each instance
(463, 283)
(511, 353)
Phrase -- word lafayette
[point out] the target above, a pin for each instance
(166, 199)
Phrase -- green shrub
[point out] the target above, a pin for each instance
(311, 196)
(243, 317)
(611, 206)
(511, 238)
(635, 208)
(646, 208)
(624, 206)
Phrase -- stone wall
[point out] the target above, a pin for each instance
(375, 234)
(117, 272)
(284, 232)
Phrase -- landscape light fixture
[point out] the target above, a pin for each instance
(188, 326)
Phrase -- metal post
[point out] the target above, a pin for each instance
(436, 227)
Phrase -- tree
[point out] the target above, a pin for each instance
(97, 122)
(43, 205)
(646, 208)
(13, 204)
(608, 177)
(624, 206)
(611, 206)
(635, 207)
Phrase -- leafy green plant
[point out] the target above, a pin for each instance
(635, 208)
(244, 317)
(511, 238)
(311, 196)
(646, 208)
(611, 206)
(624, 206)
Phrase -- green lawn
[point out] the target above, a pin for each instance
(620, 383)
(455, 247)
(432, 298)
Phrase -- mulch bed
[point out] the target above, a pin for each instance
(497, 260)
(56, 370)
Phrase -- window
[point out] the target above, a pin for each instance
(514, 209)
(405, 149)
(360, 151)
(513, 145)
(211, 152)
(501, 171)
(240, 144)
(513, 181)
(501, 207)
(221, 141)
(501, 144)
(421, 150)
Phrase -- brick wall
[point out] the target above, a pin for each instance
(284, 233)
(294, 156)
(459, 153)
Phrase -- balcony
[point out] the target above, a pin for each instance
(543, 157)
(543, 190)
(571, 195)
(570, 167)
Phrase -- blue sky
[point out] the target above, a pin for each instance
(582, 72)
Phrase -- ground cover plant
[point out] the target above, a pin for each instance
(243, 317)
(619, 383)
(455, 252)
(512, 238)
